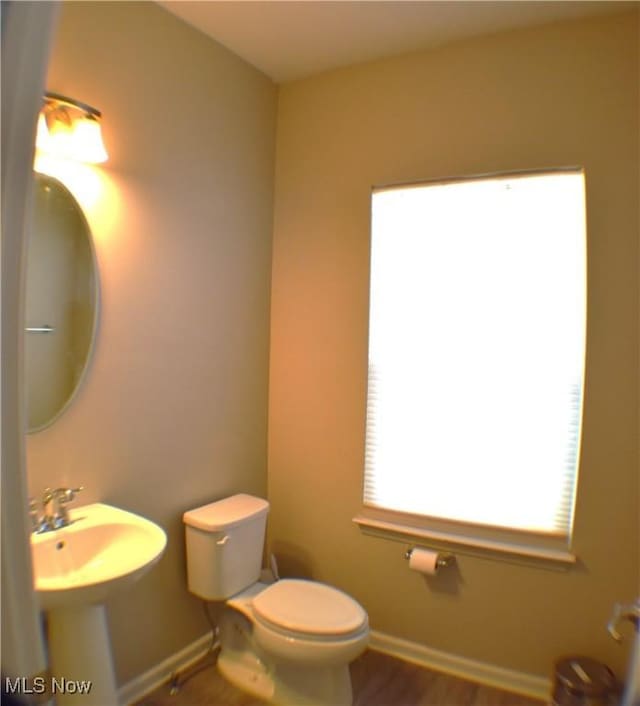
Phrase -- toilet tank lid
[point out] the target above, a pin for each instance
(226, 513)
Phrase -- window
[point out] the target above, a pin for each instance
(476, 358)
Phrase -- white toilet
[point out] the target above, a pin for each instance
(288, 642)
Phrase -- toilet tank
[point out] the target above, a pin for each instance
(224, 542)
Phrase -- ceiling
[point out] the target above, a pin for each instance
(290, 39)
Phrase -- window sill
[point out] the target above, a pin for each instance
(486, 548)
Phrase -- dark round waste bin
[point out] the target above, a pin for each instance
(582, 681)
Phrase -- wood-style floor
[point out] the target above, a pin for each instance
(378, 680)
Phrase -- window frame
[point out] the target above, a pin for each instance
(545, 548)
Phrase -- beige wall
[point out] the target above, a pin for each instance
(565, 94)
(173, 411)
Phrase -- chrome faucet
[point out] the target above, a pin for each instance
(56, 513)
(34, 516)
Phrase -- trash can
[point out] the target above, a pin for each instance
(582, 681)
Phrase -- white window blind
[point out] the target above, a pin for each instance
(476, 351)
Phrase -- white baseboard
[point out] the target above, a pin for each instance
(480, 672)
(472, 670)
(161, 673)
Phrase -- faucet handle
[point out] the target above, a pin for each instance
(66, 495)
(61, 495)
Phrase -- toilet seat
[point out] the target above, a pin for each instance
(309, 609)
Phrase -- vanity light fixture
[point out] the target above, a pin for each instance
(70, 129)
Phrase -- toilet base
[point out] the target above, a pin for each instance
(289, 685)
(246, 673)
(320, 686)
(243, 664)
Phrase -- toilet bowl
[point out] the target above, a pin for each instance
(288, 642)
(309, 622)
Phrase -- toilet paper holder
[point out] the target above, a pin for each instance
(442, 560)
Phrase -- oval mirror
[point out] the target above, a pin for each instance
(61, 301)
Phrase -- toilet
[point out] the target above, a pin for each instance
(288, 642)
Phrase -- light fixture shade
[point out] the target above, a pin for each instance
(70, 130)
(87, 141)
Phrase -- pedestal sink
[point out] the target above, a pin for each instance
(76, 568)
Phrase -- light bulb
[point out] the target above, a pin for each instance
(60, 134)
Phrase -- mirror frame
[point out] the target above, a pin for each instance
(37, 180)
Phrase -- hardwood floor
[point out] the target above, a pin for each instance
(378, 680)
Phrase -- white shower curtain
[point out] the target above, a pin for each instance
(27, 28)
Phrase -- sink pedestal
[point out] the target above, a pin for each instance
(80, 652)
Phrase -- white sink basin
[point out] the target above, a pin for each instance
(102, 550)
